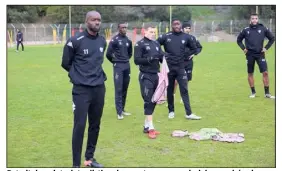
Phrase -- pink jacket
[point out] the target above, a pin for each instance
(160, 92)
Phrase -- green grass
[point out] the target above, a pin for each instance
(40, 115)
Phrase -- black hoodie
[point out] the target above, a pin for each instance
(83, 57)
(175, 44)
(120, 49)
(148, 54)
(254, 38)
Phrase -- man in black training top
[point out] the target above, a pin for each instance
(188, 61)
(254, 36)
(19, 40)
(119, 53)
(148, 55)
(82, 58)
(174, 43)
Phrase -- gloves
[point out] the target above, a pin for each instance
(151, 58)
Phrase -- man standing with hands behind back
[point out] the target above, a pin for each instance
(119, 53)
(83, 56)
(254, 38)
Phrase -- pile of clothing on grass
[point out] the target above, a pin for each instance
(210, 134)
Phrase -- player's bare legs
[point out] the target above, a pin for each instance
(252, 84)
(251, 79)
(265, 79)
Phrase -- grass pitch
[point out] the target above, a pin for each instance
(40, 115)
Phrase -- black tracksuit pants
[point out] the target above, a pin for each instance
(148, 85)
(121, 81)
(86, 100)
(179, 74)
(18, 43)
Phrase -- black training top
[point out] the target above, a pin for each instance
(120, 49)
(83, 57)
(175, 44)
(254, 38)
(148, 54)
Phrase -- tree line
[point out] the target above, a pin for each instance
(60, 14)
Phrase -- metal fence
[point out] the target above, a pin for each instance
(205, 31)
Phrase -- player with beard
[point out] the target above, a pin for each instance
(254, 50)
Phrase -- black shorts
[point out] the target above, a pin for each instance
(189, 69)
(261, 61)
(148, 84)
